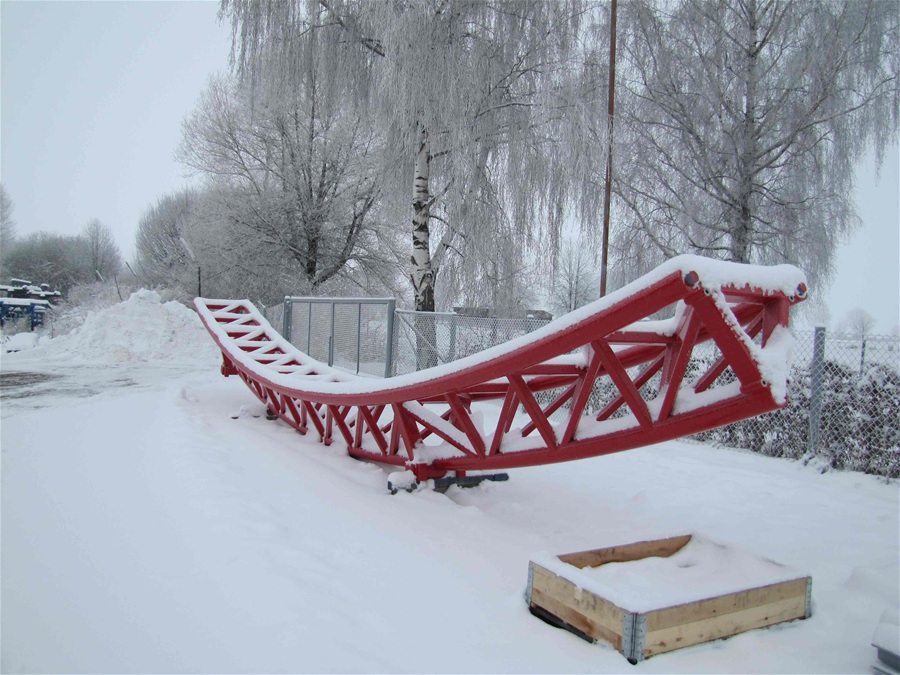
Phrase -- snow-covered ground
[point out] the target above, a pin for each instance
(145, 530)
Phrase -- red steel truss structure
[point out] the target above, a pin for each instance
(426, 423)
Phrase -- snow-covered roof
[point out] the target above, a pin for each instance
(24, 302)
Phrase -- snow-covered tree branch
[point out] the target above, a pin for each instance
(744, 121)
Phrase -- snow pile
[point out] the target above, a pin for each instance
(20, 342)
(141, 329)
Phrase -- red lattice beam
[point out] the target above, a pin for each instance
(548, 384)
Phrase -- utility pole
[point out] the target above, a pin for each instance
(610, 116)
(187, 248)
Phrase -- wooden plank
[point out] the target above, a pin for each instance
(714, 628)
(726, 604)
(596, 609)
(662, 548)
(575, 618)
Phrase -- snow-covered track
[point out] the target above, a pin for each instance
(426, 423)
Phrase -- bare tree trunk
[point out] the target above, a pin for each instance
(742, 231)
(421, 274)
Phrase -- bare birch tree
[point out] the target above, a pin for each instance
(471, 96)
(292, 169)
(744, 120)
(576, 280)
(501, 279)
(45, 257)
(857, 323)
(101, 252)
(165, 230)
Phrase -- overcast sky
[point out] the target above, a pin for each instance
(868, 269)
(93, 95)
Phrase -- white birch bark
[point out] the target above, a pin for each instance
(421, 273)
(743, 211)
(495, 83)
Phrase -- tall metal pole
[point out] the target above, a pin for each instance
(610, 117)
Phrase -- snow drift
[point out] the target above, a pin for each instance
(142, 329)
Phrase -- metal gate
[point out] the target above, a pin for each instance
(353, 334)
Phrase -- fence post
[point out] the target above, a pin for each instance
(308, 349)
(331, 338)
(453, 320)
(389, 356)
(817, 377)
(862, 356)
(358, 333)
(286, 318)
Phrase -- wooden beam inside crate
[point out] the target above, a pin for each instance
(662, 548)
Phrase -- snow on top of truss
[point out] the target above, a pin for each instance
(718, 273)
(713, 275)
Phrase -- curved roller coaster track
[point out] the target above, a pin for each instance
(602, 379)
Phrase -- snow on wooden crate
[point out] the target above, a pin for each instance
(650, 597)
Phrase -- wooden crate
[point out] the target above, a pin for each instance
(559, 593)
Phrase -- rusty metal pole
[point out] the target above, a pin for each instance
(610, 117)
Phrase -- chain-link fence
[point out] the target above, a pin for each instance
(353, 334)
(274, 315)
(843, 391)
(425, 339)
(843, 406)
